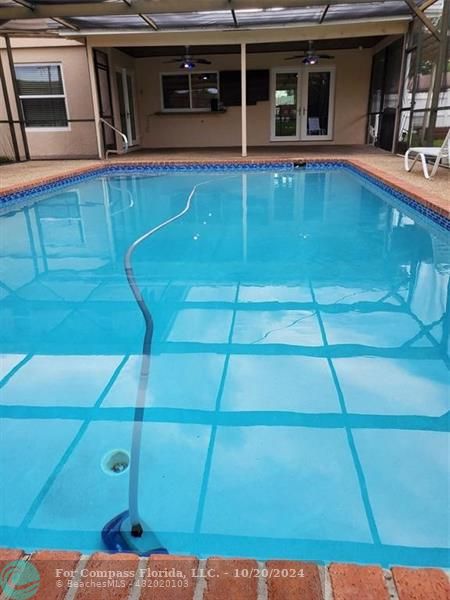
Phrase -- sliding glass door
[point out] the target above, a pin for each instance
(303, 103)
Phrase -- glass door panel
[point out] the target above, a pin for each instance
(132, 116)
(318, 94)
(285, 105)
(125, 95)
(122, 108)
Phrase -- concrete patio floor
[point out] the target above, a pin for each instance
(435, 190)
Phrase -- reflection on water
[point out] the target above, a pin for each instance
(298, 400)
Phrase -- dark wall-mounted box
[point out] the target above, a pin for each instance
(258, 85)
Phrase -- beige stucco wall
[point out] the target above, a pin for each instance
(190, 130)
(200, 130)
(79, 139)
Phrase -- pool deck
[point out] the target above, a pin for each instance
(71, 576)
(383, 165)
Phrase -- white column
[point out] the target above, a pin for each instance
(244, 99)
(91, 67)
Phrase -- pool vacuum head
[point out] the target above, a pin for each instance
(118, 537)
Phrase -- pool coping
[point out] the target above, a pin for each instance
(65, 575)
(426, 204)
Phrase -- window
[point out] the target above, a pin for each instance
(41, 93)
(190, 91)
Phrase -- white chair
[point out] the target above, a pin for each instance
(314, 126)
(422, 153)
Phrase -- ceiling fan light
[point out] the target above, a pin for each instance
(187, 64)
(310, 59)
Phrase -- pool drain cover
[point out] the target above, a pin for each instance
(116, 462)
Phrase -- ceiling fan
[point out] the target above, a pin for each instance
(187, 61)
(309, 57)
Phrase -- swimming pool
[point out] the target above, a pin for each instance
(297, 402)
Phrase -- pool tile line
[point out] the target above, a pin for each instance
(15, 369)
(70, 449)
(225, 578)
(408, 194)
(348, 430)
(213, 435)
(212, 418)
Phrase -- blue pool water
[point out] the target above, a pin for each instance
(297, 404)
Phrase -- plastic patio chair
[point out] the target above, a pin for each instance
(422, 153)
(314, 125)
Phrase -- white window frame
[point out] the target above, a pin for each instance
(188, 73)
(47, 129)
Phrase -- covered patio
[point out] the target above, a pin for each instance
(224, 74)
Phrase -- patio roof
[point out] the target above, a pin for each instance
(87, 17)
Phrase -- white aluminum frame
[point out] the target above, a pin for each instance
(124, 72)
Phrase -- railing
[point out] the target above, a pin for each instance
(122, 135)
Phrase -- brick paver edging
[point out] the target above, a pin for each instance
(429, 200)
(71, 576)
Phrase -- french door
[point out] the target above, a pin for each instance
(302, 103)
(125, 94)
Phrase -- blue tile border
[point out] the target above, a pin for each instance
(183, 167)
(142, 168)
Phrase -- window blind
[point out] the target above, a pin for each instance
(41, 93)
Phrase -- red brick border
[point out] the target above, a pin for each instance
(353, 582)
(66, 575)
(431, 201)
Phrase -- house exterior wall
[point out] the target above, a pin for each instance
(79, 140)
(353, 69)
(178, 130)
